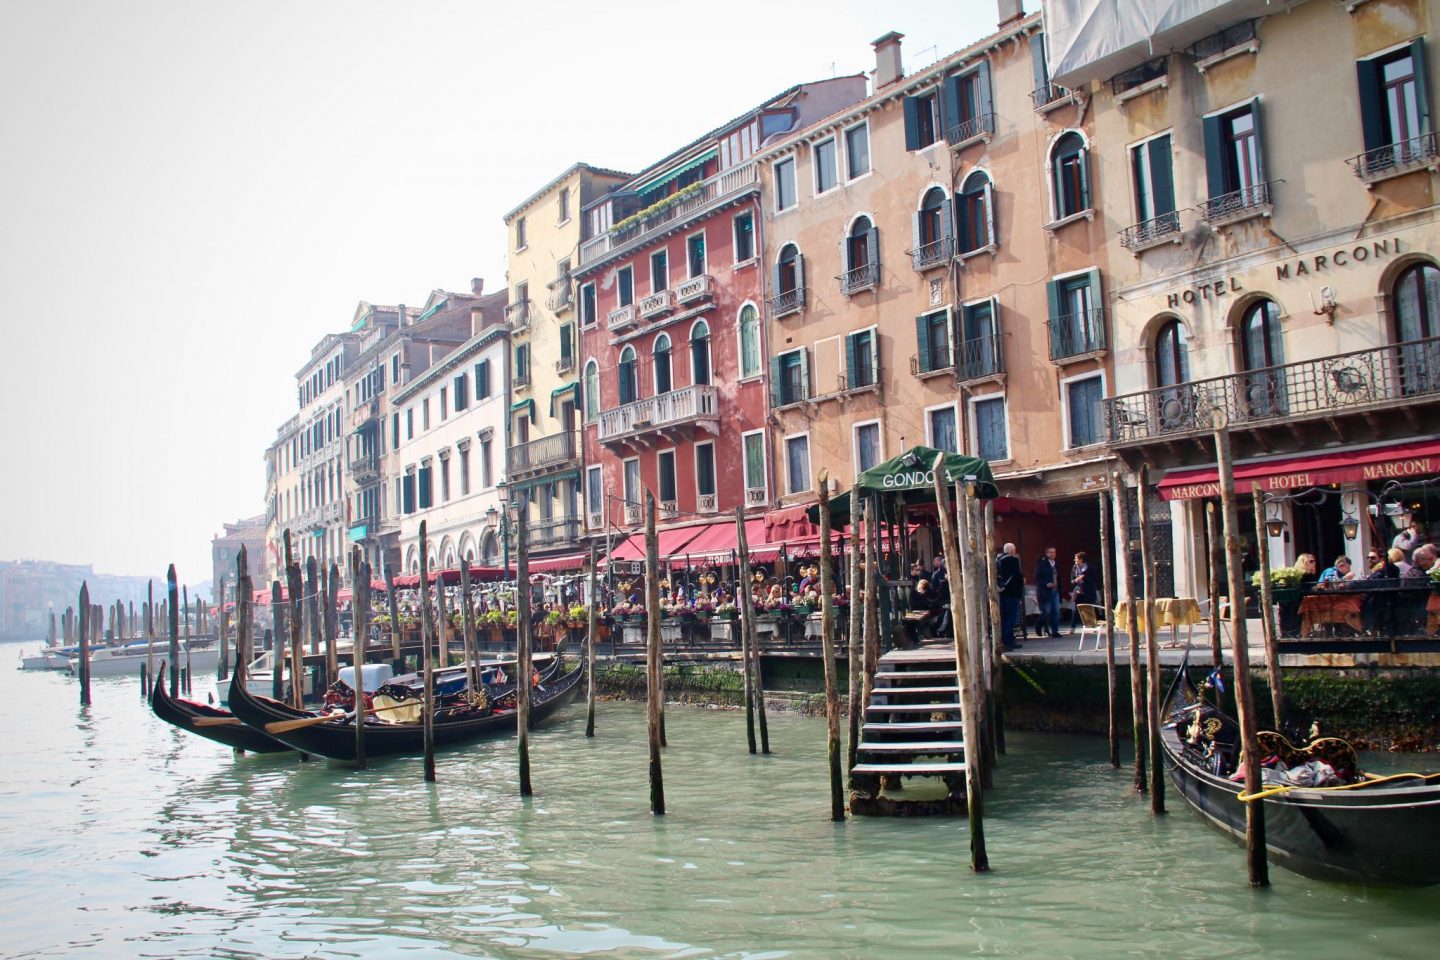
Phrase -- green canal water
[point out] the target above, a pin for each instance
(123, 837)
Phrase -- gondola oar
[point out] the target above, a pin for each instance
(282, 726)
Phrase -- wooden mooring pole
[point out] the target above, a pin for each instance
(751, 649)
(467, 625)
(1108, 594)
(653, 666)
(1267, 612)
(242, 621)
(427, 662)
(1152, 650)
(593, 627)
(997, 645)
(393, 605)
(1132, 629)
(745, 600)
(85, 615)
(983, 754)
(312, 604)
(277, 642)
(522, 643)
(222, 669)
(827, 653)
(172, 592)
(330, 616)
(360, 611)
(1216, 552)
(189, 636)
(1258, 868)
(964, 667)
(297, 627)
(853, 669)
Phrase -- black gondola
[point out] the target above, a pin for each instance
(1377, 830)
(336, 738)
(184, 713)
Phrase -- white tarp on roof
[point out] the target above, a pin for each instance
(1096, 39)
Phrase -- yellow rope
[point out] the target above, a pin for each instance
(1273, 791)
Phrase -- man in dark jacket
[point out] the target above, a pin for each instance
(1047, 593)
(1010, 582)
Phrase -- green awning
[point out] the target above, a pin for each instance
(911, 476)
(555, 478)
(526, 405)
(664, 177)
(559, 393)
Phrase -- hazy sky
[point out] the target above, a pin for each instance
(192, 193)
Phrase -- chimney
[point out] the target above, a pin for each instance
(400, 317)
(887, 59)
(1011, 10)
(477, 285)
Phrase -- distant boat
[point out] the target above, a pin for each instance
(48, 658)
(203, 656)
(1367, 829)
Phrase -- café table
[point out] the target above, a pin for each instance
(1174, 612)
(1331, 609)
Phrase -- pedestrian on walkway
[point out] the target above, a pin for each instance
(1084, 583)
(1047, 593)
(1010, 581)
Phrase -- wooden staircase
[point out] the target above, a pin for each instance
(911, 728)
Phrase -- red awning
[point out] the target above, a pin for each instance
(1395, 462)
(790, 523)
(1013, 505)
(717, 540)
(574, 561)
(670, 543)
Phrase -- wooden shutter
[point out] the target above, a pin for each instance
(777, 386)
(1372, 111)
(872, 249)
(1094, 325)
(1214, 157)
(912, 123)
(949, 104)
(1052, 297)
(922, 341)
(852, 373)
(1162, 182)
(994, 236)
(804, 375)
(982, 77)
(1259, 138)
(1037, 60)
(946, 230)
(775, 288)
(1422, 83)
(800, 273)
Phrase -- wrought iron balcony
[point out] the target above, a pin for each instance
(981, 357)
(708, 195)
(620, 318)
(864, 277)
(694, 289)
(689, 405)
(937, 360)
(1148, 233)
(559, 297)
(1365, 380)
(559, 531)
(934, 254)
(976, 128)
(787, 302)
(541, 454)
(1048, 94)
(1396, 158)
(1077, 334)
(1239, 204)
(656, 305)
(565, 364)
(365, 467)
(517, 315)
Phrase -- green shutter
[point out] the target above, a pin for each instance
(1422, 83)
(872, 249)
(1372, 109)
(804, 375)
(852, 374)
(987, 103)
(1037, 60)
(1162, 183)
(1094, 325)
(1259, 137)
(912, 123)
(922, 341)
(777, 387)
(949, 104)
(1214, 157)
(1052, 296)
(800, 274)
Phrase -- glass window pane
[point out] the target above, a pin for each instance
(825, 173)
(755, 461)
(797, 456)
(990, 439)
(943, 435)
(857, 149)
(867, 446)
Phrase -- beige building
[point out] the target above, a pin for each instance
(543, 454)
(935, 266)
(1273, 247)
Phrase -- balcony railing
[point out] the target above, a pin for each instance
(560, 531)
(669, 509)
(1148, 233)
(1046, 94)
(1380, 377)
(541, 453)
(981, 357)
(1077, 334)
(933, 254)
(982, 125)
(864, 277)
(620, 317)
(1238, 204)
(565, 364)
(711, 193)
(520, 378)
(688, 404)
(365, 467)
(364, 412)
(938, 360)
(633, 514)
(517, 315)
(696, 288)
(559, 297)
(755, 496)
(656, 305)
(706, 503)
(1396, 158)
(787, 302)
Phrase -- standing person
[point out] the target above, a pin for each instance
(939, 577)
(1408, 538)
(1010, 581)
(1084, 583)
(1047, 593)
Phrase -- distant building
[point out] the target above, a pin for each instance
(224, 549)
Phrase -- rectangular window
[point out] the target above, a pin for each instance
(659, 271)
(705, 469)
(790, 378)
(631, 489)
(464, 471)
(482, 380)
(826, 173)
(564, 204)
(425, 414)
(1154, 182)
(1394, 111)
(1077, 320)
(991, 438)
(462, 392)
(785, 184)
(1083, 402)
(409, 423)
(695, 254)
(665, 465)
(744, 237)
(520, 233)
(394, 430)
(1233, 160)
(424, 495)
(444, 403)
(797, 464)
(487, 476)
(754, 444)
(407, 492)
(587, 305)
(862, 367)
(980, 354)
(593, 498)
(625, 286)
(920, 123)
(444, 479)
(857, 151)
(867, 446)
(941, 425)
(395, 369)
(932, 341)
(567, 345)
(522, 363)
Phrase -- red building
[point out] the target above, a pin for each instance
(669, 288)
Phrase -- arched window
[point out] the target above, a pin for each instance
(1415, 309)
(1172, 355)
(663, 381)
(489, 549)
(592, 390)
(700, 352)
(1262, 348)
(975, 212)
(862, 257)
(931, 224)
(789, 275)
(857, 247)
(749, 341)
(1070, 173)
(628, 384)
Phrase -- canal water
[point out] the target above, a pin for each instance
(123, 837)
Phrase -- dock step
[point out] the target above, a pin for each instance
(911, 769)
(919, 726)
(927, 746)
(892, 691)
(913, 707)
(915, 675)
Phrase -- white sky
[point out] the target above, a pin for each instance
(193, 192)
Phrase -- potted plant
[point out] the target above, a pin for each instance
(1284, 583)
(704, 609)
(727, 611)
(1435, 578)
(579, 615)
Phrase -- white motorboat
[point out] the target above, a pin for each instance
(259, 679)
(48, 658)
(122, 661)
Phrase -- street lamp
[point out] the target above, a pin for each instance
(1351, 525)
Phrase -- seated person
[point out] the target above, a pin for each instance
(1382, 566)
(1337, 574)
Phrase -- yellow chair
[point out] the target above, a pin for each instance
(1092, 619)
